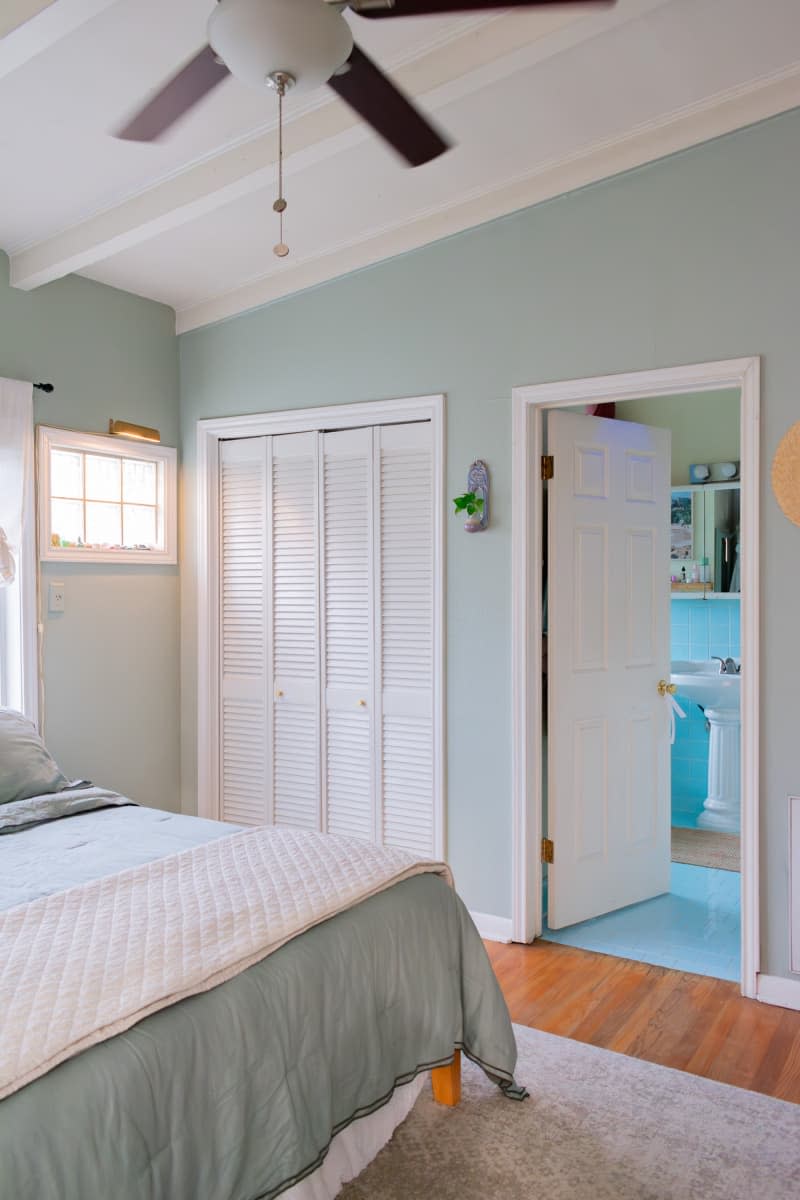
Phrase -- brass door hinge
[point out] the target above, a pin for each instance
(548, 469)
(547, 850)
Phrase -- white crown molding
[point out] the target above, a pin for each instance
(451, 69)
(720, 114)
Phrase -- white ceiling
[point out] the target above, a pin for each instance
(538, 102)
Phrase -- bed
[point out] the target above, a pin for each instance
(280, 1078)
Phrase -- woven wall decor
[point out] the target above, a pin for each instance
(786, 474)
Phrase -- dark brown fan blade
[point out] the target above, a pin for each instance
(422, 8)
(195, 80)
(390, 113)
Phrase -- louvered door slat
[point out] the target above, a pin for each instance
(348, 638)
(327, 646)
(243, 647)
(294, 631)
(405, 499)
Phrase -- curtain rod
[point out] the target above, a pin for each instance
(44, 387)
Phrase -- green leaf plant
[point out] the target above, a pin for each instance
(468, 503)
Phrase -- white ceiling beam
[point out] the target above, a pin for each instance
(672, 133)
(507, 44)
(29, 27)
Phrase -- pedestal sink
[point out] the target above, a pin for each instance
(718, 695)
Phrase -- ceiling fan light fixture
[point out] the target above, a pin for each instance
(256, 38)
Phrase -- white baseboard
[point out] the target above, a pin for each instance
(493, 929)
(774, 989)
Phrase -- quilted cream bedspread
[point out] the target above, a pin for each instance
(84, 964)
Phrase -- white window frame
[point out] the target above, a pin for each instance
(49, 439)
(210, 432)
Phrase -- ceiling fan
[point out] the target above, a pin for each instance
(304, 44)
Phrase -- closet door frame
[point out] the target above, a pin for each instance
(205, 584)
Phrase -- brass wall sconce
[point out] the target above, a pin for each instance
(141, 432)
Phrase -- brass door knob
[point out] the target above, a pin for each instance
(666, 689)
(362, 704)
(278, 693)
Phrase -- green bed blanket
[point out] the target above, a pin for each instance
(235, 1094)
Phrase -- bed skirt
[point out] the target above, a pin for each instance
(352, 1150)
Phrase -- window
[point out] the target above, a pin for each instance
(103, 498)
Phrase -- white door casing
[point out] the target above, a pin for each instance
(530, 403)
(608, 648)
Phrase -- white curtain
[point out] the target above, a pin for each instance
(18, 610)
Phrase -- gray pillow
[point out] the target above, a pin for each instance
(26, 768)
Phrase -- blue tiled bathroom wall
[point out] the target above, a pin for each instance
(700, 629)
(703, 628)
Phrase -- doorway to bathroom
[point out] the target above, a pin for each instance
(642, 843)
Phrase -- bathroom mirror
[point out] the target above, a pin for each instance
(704, 546)
(687, 539)
(722, 522)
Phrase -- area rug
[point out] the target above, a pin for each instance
(597, 1126)
(706, 848)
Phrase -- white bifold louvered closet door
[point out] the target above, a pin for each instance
(326, 633)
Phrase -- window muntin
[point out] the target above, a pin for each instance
(104, 502)
(104, 498)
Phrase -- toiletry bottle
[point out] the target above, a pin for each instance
(683, 574)
(696, 573)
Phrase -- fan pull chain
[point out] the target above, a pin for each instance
(280, 81)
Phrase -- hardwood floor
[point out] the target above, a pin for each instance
(685, 1021)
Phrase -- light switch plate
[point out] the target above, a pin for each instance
(55, 598)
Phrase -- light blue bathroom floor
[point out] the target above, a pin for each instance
(694, 928)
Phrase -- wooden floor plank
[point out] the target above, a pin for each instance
(690, 1022)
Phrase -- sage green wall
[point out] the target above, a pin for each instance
(693, 258)
(111, 665)
(704, 428)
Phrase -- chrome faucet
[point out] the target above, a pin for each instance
(727, 666)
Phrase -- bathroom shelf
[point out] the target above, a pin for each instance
(699, 595)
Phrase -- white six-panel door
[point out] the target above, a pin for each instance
(608, 648)
(327, 576)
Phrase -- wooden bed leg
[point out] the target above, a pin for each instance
(447, 1082)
